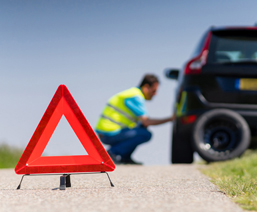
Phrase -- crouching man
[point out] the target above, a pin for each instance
(124, 120)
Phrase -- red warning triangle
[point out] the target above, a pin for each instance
(32, 161)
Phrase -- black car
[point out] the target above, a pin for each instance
(216, 100)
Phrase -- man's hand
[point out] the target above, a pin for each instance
(146, 121)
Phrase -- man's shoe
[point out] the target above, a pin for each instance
(129, 161)
(115, 158)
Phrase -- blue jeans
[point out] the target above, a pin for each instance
(126, 141)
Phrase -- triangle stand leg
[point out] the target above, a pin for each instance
(19, 186)
(109, 179)
(68, 181)
(62, 182)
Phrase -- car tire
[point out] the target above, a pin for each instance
(220, 134)
(182, 150)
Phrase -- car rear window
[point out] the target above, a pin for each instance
(233, 46)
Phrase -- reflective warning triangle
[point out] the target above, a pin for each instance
(32, 161)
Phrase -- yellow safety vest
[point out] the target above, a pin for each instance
(116, 115)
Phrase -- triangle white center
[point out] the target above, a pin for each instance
(64, 141)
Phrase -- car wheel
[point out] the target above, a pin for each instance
(220, 134)
(182, 150)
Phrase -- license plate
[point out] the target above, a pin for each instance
(246, 84)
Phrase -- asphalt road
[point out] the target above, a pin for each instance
(137, 188)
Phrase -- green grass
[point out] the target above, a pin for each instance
(9, 156)
(237, 178)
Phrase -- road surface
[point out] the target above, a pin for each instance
(137, 188)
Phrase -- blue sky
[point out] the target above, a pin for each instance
(97, 48)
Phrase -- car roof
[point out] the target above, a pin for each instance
(232, 28)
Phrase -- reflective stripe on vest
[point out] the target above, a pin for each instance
(118, 123)
(128, 116)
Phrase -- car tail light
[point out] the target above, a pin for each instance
(188, 119)
(195, 65)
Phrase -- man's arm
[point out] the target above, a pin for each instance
(146, 121)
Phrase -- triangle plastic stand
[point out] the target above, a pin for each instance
(32, 161)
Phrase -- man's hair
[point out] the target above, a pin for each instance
(149, 79)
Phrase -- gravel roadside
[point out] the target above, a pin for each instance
(137, 188)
